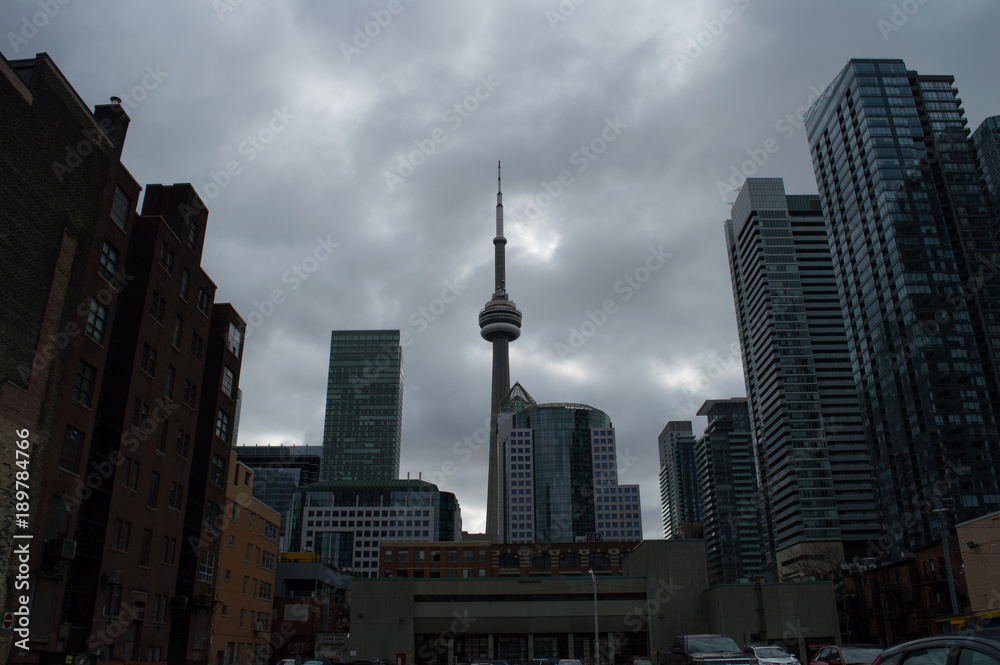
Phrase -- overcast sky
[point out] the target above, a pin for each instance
(347, 153)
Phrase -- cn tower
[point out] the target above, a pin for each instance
(499, 324)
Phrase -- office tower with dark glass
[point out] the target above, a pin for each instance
(811, 455)
(560, 475)
(680, 493)
(278, 470)
(364, 406)
(986, 138)
(910, 233)
(499, 324)
(730, 499)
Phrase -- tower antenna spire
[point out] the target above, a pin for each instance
(499, 324)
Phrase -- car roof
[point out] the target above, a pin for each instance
(988, 636)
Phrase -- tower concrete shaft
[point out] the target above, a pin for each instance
(499, 324)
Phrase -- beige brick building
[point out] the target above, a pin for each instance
(244, 595)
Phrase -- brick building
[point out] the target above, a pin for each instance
(66, 209)
(125, 373)
(246, 580)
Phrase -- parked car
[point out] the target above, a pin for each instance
(569, 661)
(771, 655)
(543, 661)
(487, 661)
(979, 647)
(705, 650)
(639, 660)
(847, 654)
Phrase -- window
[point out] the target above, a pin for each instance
(130, 474)
(197, 343)
(161, 437)
(147, 360)
(570, 559)
(185, 280)
(95, 321)
(58, 524)
(222, 426)
(451, 555)
(112, 600)
(157, 306)
(206, 566)
(178, 328)
(928, 656)
(418, 556)
(83, 386)
(435, 556)
(540, 560)
(169, 550)
(168, 389)
(176, 496)
(225, 609)
(166, 257)
(154, 489)
(212, 517)
(249, 550)
(109, 262)
(203, 301)
(973, 657)
(267, 561)
(147, 541)
(119, 538)
(467, 556)
(227, 381)
(265, 591)
(183, 443)
(218, 475)
(404, 556)
(234, 339)
(190, 393)
(509, 560)
(119, 208)
(69, 459)
(192, 235)
(600, 559)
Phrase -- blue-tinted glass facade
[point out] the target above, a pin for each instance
(362, 430)
(561, 478)
(914, 253)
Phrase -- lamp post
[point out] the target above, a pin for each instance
(597, 639)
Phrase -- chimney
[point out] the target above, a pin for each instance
(114, 121)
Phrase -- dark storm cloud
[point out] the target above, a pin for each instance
(615, 124)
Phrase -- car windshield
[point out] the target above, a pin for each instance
(771, 652)
(712, 645)
(859, 655)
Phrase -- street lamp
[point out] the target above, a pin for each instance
(597, 639)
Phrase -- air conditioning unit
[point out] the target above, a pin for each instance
(60, 548)
(113, 577)
(259, 626)
(179, 603)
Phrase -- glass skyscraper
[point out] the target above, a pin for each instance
(680, 493)
(915, 259)
(730, 499)
(986, 138)
(364, 406)
(811, 456)
(560, 474)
